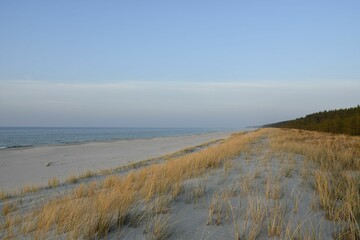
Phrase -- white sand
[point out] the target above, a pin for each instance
(187, 216)
(28, 166)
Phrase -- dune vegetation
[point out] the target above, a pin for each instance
(332, 167)
(281, 183)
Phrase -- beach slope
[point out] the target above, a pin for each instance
(36, 165)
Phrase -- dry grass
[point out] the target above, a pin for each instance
(231, 190)
(92, 212)
(198, 192)
(4, 195)
(235, 215)
(158, 227)
(256, 208)
(160, 205)
(8, 225)
(87, 174)
(8, 208)
(84, 190)
(26, 189)
(29, 189)
(253, 232)
(331, 166)
(228, 166)
(276, 215)
(219, 210)
(273, 187)
(71, 179)
(53, 182)
(246, 184)
(287, 169)
(330, 152)
(325, 192)
(293, 230)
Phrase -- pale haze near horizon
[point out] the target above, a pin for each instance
(161, 104)
(176, 64)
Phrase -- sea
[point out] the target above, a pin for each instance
(18, 137)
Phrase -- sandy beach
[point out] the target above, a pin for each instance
(257, 185)
(35, 166)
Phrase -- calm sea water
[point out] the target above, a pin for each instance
(12, 137)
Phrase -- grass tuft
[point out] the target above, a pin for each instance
(8, 208)
(71, 179)
(53, 182)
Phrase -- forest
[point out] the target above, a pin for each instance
(341, 121)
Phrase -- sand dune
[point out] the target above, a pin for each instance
(278, 184)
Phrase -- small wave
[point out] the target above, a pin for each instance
(19, 146)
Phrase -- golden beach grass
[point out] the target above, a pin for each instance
(335, 175)
(330, 167)
(92, 211)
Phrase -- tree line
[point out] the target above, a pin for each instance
(344, 121)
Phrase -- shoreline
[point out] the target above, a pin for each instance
(37, 165)
(19, 147)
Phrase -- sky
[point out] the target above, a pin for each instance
(176, 63)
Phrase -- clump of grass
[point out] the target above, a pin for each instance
(256, 208)
(111, 181)
(71, 179)
(287, 170)
(176, 190)
(198, 192)
(4, 195)
(350, 208)
(53, 182)
(306, 171)
(8, 208)
(275, 219)
(87, 174)
(99, 213)
(265, 160)
(158, 227)
(228, 166)
(246, 184)
(106, 171)
(322, 185)
(29, 189)
(8, 226)
(273, 188)
(293, 230)
(235, 214)
(84, 190)
(351, 201)
(231, 190)
(351, 231)
(218, 210)
(160, 205)
(253, 232)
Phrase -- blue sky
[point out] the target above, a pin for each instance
(171, 45)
